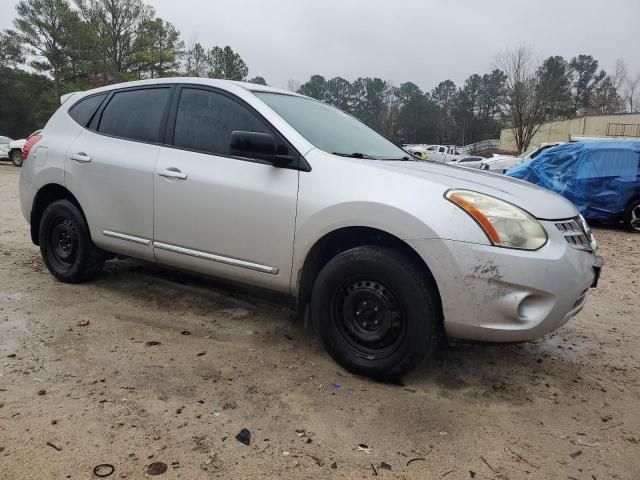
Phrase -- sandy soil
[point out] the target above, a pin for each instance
(72, 397)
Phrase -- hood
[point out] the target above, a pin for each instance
(497, 158)
(17, 143)
(539, 202)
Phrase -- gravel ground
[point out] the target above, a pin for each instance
(130, 388)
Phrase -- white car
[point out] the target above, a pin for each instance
(384, 254)
(502, 163)
(16, 146)
(469, 162)
(435, 153)
(4, 146)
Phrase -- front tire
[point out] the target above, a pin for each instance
(632, 216)
(66, 245)
(377, 311)
(16, 158)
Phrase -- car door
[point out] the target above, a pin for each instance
(110, 167)
(223, 215)
(605, 182)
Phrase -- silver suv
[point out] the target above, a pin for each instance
(385, 254)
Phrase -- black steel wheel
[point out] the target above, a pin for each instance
(369, 318)
(65, 243)
(377, 311)
(62, 243)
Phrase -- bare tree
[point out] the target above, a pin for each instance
(632, 92)
(619, 74)
(293, 85)
(525, 100)
(195, 61)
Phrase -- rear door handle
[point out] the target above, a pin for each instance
(173, 173)
(81, 157)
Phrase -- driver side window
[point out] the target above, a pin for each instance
(206, 119)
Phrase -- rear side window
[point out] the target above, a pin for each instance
(205, 120)
(135, 114)
(82, 111)
(610, 163)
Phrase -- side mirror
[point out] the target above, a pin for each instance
(259, 145)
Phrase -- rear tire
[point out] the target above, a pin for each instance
(376, 311)
(16, 158)
(66, 245)
(632, 217)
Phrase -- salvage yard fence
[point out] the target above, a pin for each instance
(623, 130)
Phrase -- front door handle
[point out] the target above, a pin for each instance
(173, 173)
(81, 157)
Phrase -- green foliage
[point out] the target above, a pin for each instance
(117, 29)
(315, 88)
(45, 27)
(195, 61)
(258, 81)
(555, 85)
(226, 64)
(338, 93)
(586, 78)
(20, 91)
(157, 49)
(11, 53)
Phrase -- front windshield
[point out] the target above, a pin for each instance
(528, 152)
(330, 129)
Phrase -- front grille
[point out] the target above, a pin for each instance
(575, 234)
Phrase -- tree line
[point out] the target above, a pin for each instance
(516, 92)
(58, 46)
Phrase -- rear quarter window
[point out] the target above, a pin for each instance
(135, 114)
(83, 111)
(610, 163)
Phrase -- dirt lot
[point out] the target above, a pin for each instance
(72, 397)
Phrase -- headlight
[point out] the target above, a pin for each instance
(504, 224)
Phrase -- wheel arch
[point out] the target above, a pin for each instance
(46, 195)
(345, 238)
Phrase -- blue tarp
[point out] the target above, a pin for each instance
(600, 178)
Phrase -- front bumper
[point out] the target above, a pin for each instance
(503, 295)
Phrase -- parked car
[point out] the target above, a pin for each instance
(502, 163)
(418, 151)
(16, 147)
(469, 162)
(602, 179)
(443, 153)
(384, 254)
(435, 153)
(4, 146)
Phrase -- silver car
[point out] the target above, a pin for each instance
(384, 254)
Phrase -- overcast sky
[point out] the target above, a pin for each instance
(424, 41)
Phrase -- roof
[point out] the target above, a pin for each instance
(213, 82)
(609, 144)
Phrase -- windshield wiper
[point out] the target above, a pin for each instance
(354, 155)
(406, 158)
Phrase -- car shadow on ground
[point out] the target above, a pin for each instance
(485, 370)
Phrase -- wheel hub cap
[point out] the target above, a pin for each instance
(64, 242)
(369, 316)
(635, 218)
